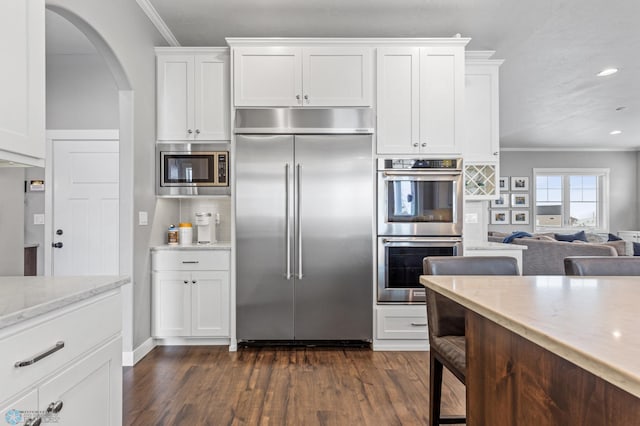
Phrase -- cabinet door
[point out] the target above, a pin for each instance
(89, 392)
(398, 100)
(211, 120)
(22, 81)
(267, 76)
(210, 304)
(336, 76)
(441, 99)
(21, 409)
(171, 304)
(481, 139)
(175, 97)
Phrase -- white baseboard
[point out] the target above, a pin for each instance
(192, 341)
(129, 359)
(400, 345)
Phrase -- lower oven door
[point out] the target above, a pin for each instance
(400, 265)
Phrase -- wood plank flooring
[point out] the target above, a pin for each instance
(204, 385)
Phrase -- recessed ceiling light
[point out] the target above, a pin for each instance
(607, 72)
(615, 132)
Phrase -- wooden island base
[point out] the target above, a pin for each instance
(512, 381)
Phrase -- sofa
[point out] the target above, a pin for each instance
(545, 256)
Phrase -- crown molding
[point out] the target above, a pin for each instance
(345, 41)
(568, 149)
(158, 22)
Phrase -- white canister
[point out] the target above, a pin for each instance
(186, 234)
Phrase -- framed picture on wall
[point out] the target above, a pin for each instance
(501, 203)
(519, 200)
(519, 183)
(519, 217)
(499, 217)
(503, 184)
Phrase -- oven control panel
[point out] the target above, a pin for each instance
(411, 163)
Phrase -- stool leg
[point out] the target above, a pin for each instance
(435, 389)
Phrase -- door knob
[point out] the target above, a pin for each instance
(57, 245)
(59, 232)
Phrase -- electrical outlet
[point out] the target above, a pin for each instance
(143, 218)
(471, 218)
(38, 219)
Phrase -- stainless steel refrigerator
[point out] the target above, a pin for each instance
(304, 183)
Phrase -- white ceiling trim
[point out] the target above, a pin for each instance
(159, 23)
(561, 149)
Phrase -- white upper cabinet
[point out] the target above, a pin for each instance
(482, 139)
(277, 76)
(193, 94)
(420, 99)
(22, 81)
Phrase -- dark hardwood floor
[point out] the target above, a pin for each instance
(203, 385)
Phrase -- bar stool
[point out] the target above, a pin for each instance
(602, 265)
(446, 318)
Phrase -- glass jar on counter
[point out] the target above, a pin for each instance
(172, 235)
(186, 234)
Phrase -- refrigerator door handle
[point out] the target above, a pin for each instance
(287, 232)
(299, 217)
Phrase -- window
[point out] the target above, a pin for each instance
(571, 199)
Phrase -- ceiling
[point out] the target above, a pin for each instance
(550, 97)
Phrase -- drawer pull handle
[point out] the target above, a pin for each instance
(190, 261)
(55, 407)
(418, 324)
(56, 348)
(33, 422)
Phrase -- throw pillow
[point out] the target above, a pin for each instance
(636, 249)
(620, 246)
(571, 237)
(614, 238)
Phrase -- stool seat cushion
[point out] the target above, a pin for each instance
(453, 349)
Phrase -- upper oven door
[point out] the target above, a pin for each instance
(425, 203)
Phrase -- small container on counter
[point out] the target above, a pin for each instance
(186, 234)
(172, 235)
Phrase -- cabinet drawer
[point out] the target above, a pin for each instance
(190, 260)
(80, 329)
(407, 322)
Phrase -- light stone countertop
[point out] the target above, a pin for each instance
(220, 245)
(490, 245)
(590, 321)
(23, 298)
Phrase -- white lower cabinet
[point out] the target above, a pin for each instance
(77, 379)
(633, 236)
(190, 293)
(404, 322)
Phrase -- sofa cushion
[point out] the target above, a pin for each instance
(622, 247)
(614, 238)
(571, 237)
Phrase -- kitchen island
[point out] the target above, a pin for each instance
(61, 357)
(549, 350)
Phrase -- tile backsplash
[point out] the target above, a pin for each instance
(189, 207)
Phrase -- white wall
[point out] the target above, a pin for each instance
(623, 189)
(11, 221)
(131, 37)
(34, 204)
(81, 93)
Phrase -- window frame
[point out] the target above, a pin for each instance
(602, 173)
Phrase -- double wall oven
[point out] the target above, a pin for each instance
(419, 215)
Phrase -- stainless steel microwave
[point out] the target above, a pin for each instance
(190, 169)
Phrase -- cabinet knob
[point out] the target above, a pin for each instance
(496, 153)
(415, 144)
(33, 422)
(197, 131)
(186, 281)
(423, 144)
(298, 97)
(193, 282)
(55, 407)
(189, 131)
(306, 98)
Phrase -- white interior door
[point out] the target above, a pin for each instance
(85, 207)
